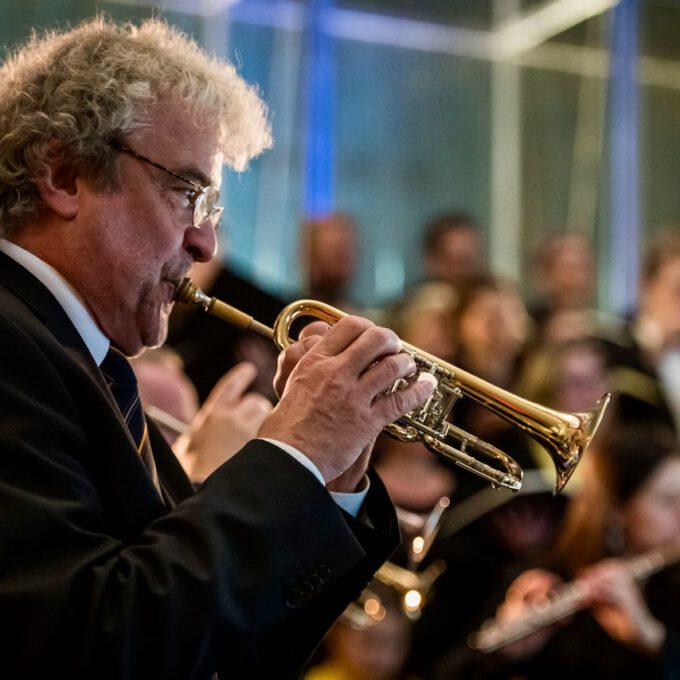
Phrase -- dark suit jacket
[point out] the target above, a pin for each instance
(101, 579)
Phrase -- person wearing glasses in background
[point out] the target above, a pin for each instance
(112, 141)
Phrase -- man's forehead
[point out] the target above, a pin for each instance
(173, 138)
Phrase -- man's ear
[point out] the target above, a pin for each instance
(58, 187)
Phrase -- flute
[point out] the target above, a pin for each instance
(495, 634)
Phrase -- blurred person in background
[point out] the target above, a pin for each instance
(645, 356)
(570, 376)
(627, 506)
(166, 391)
(490, 323)
(168, 396)
(424, 317)
(414, 477)
(565, 278)
(486, 538)
(329, 254)
(453, 249)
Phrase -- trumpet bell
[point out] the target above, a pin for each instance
(567, 442)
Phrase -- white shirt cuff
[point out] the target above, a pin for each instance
(350, 502)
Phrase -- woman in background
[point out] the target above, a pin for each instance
(629, 504)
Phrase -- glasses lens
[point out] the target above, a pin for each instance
(206, 208)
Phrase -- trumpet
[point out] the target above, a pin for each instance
(571, 598)
(565, 436)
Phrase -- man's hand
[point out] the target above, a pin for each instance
(228, 419)
(333, 402)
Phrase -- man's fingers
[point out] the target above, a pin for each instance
(316, 329)
(381, 375)
(340, 336)
(392, 406)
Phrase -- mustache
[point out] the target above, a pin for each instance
(174, 273)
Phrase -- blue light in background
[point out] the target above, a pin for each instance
(320, 90)
(624, 157)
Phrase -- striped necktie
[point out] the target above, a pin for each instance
(122, 382)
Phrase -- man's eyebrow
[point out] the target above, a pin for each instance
(194, 174)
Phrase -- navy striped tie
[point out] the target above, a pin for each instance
(123, 385)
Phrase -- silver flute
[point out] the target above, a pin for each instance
(495, 634)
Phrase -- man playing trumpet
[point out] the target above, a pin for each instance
(112, 141)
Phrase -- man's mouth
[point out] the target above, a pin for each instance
(174, 285)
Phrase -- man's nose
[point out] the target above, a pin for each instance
(201, 243)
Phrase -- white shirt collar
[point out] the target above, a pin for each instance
(97, 343)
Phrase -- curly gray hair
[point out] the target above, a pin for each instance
(71, 93)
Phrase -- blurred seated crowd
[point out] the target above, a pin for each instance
(473, 555)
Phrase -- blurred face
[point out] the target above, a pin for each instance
(571, 275)
(333, 255)
(652, 516)
(661, 299)
(458, 256)
(581, 379)
(491, 325)
(135, 244)
(431, 330)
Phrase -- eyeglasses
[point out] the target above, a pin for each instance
(202, 199)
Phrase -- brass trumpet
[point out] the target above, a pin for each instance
(565, 436)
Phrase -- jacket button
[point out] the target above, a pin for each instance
(315, 582)
(306, 589)
(323, 573)
(294, 598)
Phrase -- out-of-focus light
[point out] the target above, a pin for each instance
(412, 600)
